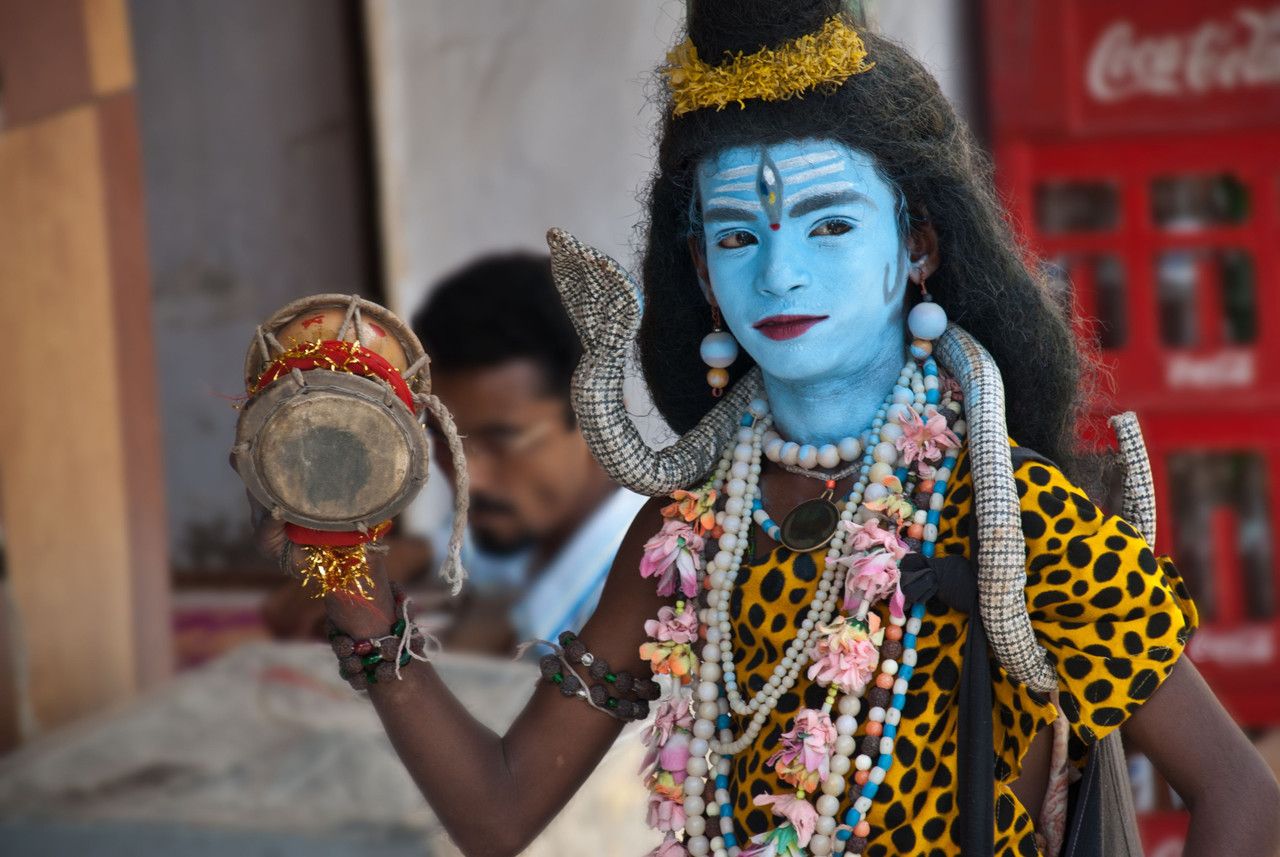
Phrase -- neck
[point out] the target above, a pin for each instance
(829, 409)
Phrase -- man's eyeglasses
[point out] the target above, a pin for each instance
(504, 443)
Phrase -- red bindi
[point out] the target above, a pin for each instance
(775, 226)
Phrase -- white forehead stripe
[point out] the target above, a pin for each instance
(800, 178)
(734, 203)
(737, 186)
(818, 190)
(735, 172)
(809, 160)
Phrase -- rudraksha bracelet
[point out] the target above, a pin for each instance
(618, 694)
(374, 660)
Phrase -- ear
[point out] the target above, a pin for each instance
(699, 257)
(922, 249)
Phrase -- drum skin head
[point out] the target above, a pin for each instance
(336, 453)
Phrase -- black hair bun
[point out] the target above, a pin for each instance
(733, 26)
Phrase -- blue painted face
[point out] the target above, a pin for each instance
(805, 259)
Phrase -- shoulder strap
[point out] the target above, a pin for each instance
(975, 743)
(1022, 454)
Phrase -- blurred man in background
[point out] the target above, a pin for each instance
(545, 519)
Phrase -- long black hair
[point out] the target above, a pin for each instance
(896, 113)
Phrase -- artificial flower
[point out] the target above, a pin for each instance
(800, 813)
(693, 507)
(871, 536)
(674, 755)
(924, 440)
(782, 841)
(675, 550)
(667, 784)
(674, 659)
(671, 715)
(673, 627)
(804, 759)
(894, 503)
(845, 654)
(873, 577)
(666, 804)
(670, 847)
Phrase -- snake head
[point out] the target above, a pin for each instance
(602, 299)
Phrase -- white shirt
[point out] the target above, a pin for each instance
(565, 593)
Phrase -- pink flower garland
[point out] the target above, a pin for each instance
(674, 627)
(801, 814)
(674, 557)
(870, 536)
(669, 848)
(670, 652)
(845, 655)
(666, 804)
(666, 779)
(924, 440)
(873, 575)
(671, 718)
(675, 550)
(804, 759)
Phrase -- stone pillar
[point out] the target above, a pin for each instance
(81, 485)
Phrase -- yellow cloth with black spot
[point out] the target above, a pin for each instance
(1112, 617)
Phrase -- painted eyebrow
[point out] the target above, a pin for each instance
(820, 201)
(729, 214)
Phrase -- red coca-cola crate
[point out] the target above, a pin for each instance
(1137, 148)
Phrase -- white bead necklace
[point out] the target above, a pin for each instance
(725, 565)
(808, 456)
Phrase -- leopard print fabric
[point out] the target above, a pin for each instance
(1112, 616)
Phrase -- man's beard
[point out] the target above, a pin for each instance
(493, 543)
(501, 545)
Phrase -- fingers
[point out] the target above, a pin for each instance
(268, 532)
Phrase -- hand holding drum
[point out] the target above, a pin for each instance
(332, 440)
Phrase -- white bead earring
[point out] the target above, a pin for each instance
(926, 321)
(719, 349)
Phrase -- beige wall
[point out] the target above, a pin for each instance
(496, 120)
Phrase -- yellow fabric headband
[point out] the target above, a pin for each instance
(828, 57)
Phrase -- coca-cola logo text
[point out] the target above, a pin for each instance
(1221, 55)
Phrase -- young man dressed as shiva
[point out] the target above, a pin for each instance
(867, 611)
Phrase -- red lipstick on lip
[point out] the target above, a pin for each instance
(786, 326)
